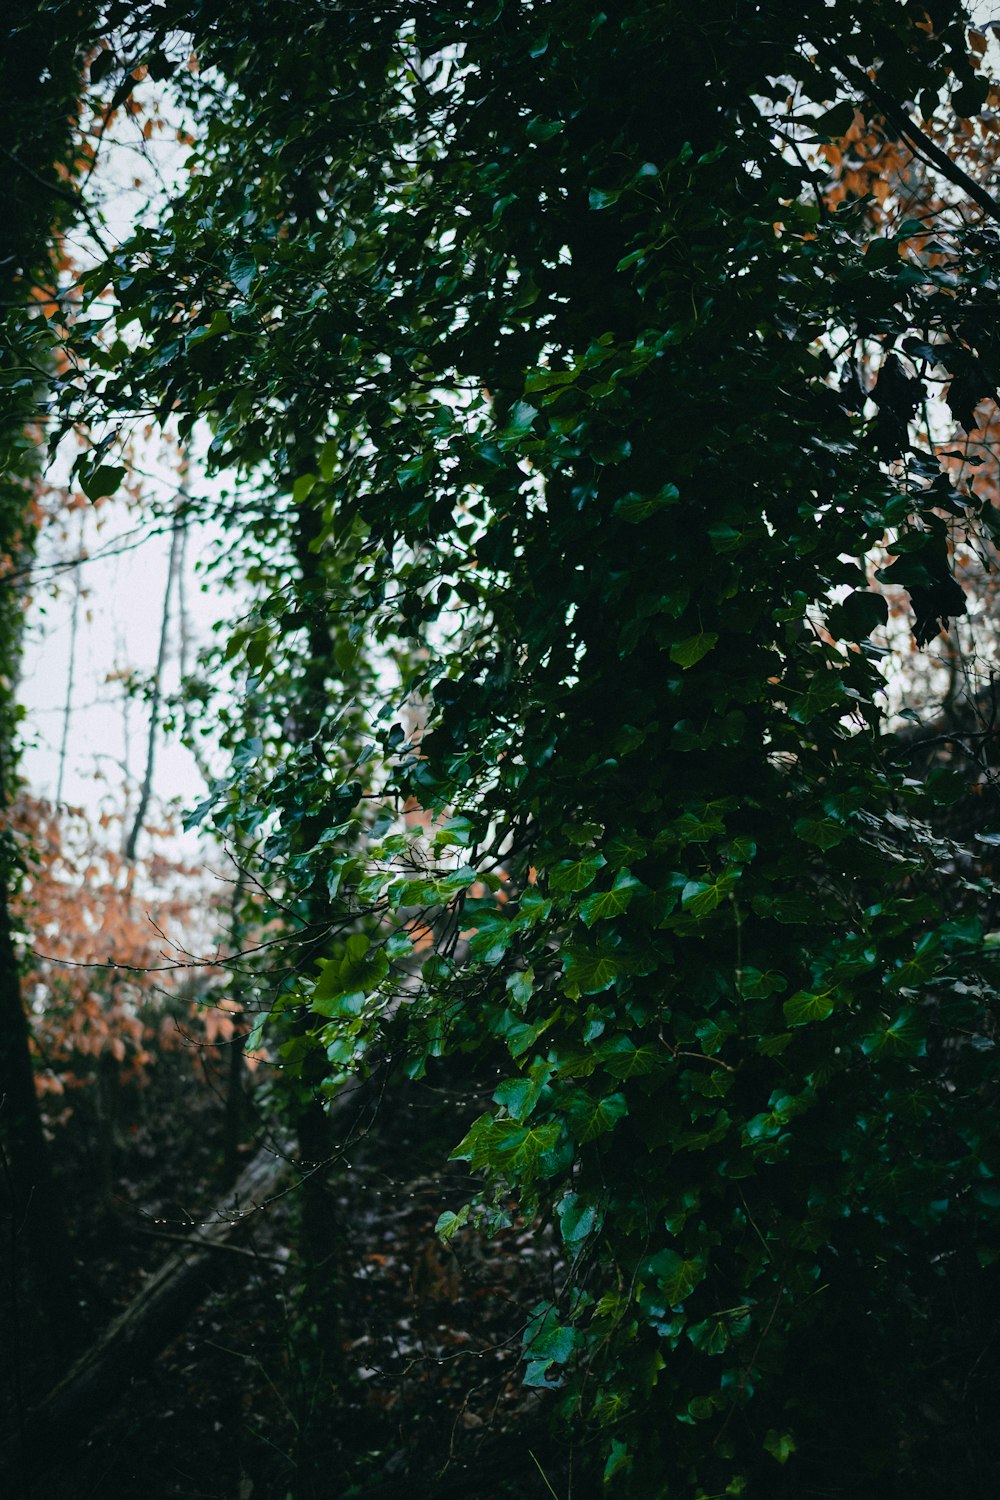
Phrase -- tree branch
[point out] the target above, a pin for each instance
(65, 195)
(917, 139)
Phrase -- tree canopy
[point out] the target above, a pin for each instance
(564, 416)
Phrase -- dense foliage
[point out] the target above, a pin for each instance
(537, 357)
(40, 79)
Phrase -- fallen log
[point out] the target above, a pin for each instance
(154, 1317)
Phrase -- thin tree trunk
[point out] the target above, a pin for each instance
(237, 1068)
(320, 1232)
(146, 789)
(74, 627)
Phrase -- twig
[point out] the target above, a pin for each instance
(66, 195)
(196, 1240)
(157, 693)
(918, 140)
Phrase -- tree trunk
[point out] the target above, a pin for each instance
(38, 1236)
(146, 790)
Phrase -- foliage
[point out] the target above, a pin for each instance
(109, 945)
(39, 83)
(537, 325)
(40, 80)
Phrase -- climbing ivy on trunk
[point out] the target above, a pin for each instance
(540, 315)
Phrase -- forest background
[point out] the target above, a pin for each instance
(569, 1058)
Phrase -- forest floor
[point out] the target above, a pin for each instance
(244, 1404)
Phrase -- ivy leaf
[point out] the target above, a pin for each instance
(823, 832)
(711, 1336)
(906, 1036)
(539, 129)
(575, 874)
(589, 972)
(635, 508)
(622, 1058)
(781, 1446)
(591, 1117)
(448, 1224)
(520, 1151)
(612, 903)
(518, 1096)
(858, 616)
(619, 1460)
(688, 652)
(520, 987)
(758, 984)
(804, 1007)
(673, 1276)
(578, 1219)
(519, 421)
(344, 982)
(547, 1342)
(699, 898)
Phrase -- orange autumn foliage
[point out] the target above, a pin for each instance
(110, 969)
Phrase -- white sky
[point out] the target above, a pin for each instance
(118, 631)
(121, 606)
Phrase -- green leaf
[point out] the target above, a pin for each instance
(823, 832)
(520, 986)
(578, 1219)
(674, 1276)
(688, 652)
(102, 481)
(521, 1151)
(837, 120)
(699, 899)
(725, 538)
(519, 421)
(619, 1460)
(520, 1035)
(575, 874)
(906, 1036)
(103, 64)
(474, 1145)
(758, 984)
(303, 488)
(590, 1118)
(781, 1446)
(622, 849)
(243, 271)
(448, 1224)
(518, 1096)
(547, 1342)
(343, 982)
(622, 1058)
(539, 129)
(253, 1041)
(804, 1007)
(589, 972)
(711, 1336)
(611, 450)
(612, 903)
(858, 616)
(791, 910)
